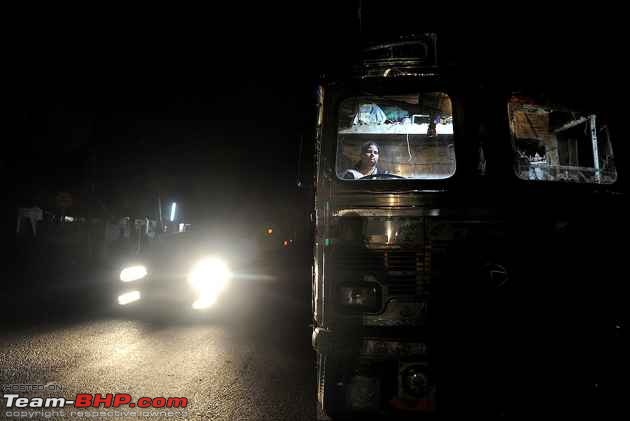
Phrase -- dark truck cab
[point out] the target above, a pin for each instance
(475, 270)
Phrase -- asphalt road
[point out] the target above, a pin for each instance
(256, 364)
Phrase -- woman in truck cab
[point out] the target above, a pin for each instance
(368, 163)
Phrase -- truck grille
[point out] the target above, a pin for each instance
(401, 271)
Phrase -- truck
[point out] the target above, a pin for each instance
(465, 231)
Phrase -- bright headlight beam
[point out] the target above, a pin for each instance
(204, 302)
(133, 273)
(128, 297)
(209, 277)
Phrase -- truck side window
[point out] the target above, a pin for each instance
(553, 142)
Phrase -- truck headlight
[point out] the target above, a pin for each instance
(133, 273)
(414, 381)
(210, 277)
(364, 297)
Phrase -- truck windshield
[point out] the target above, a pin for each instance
(395, 137)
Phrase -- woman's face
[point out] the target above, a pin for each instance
(370, 156)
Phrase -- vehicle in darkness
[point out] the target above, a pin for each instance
(195, 272)
(475, 272)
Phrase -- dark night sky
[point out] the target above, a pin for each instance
(208, 108)
(210, 113)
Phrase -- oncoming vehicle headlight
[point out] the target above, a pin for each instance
(128, 297)
(133, 273)
(209, 277)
